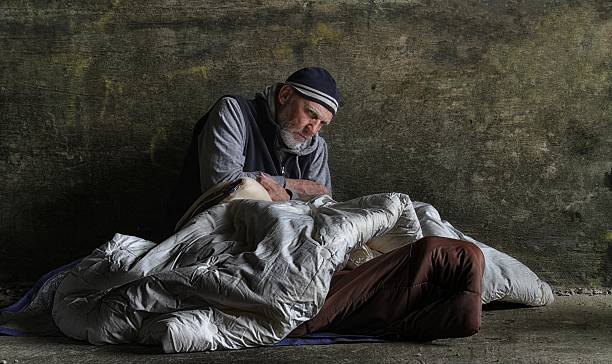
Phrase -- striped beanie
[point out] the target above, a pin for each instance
(316, 84)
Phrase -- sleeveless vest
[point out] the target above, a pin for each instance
(260, 150)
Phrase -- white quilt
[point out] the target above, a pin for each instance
(246, 273)
(505, 278)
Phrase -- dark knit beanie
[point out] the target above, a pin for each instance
(316, 84)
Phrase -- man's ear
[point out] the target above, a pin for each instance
(284, 94)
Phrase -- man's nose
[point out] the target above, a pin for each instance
(313, 127)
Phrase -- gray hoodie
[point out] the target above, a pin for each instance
(222, 147)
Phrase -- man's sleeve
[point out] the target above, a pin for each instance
(319, 169)
(221, 146)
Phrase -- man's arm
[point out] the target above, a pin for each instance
(221, 146)
(316, 179)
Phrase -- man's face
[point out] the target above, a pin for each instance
(300, 118)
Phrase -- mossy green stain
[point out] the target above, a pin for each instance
(282, 52)
(79, 67)
(111, 89)
(323, 33)
(198, 71)
(100, 24)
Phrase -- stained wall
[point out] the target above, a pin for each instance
(499, 113)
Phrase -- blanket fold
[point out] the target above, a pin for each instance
(241, 274)
(238, 275)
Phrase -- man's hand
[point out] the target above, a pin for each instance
(306, 189)
(276, 191)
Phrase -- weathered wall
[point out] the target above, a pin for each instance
(497, 112)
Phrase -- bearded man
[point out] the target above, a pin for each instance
(426, 290)
(272, 138)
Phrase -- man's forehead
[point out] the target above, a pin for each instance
(322, 110)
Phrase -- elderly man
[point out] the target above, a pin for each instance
(422, 291)
(272, 138)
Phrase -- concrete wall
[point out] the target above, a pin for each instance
(497, 112)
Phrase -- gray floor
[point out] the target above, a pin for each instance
(575, 329)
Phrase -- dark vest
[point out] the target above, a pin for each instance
(260, 151)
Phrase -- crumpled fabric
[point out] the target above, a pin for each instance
(505, 278)
(246, 273)
(240, 274)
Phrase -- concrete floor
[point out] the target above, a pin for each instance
(575, 329)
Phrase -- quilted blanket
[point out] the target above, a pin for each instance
(243, 274)
(240, 274)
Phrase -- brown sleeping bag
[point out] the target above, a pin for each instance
(423, 291)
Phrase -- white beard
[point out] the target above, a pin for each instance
(290, 141)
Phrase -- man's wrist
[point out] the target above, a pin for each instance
(292, 195)
(282, 181)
